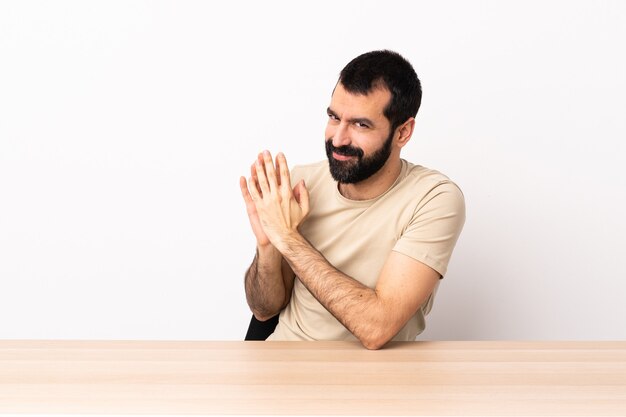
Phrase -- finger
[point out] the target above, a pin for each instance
(278, 181)
(254, 179)
(283, 169)
(270, 172)
(260, 158)
(261, 178)
(254, 193)
(303, 197)
(244, 191)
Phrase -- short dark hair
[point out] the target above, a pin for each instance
(390, 70)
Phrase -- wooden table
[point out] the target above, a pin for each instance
(420, 378)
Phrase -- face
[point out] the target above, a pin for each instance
(358, 135)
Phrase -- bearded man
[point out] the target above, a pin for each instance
(353, 247)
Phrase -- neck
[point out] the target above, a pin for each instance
(375, 185)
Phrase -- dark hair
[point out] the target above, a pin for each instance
(389, 70)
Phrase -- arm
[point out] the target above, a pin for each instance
(268, 283)
(269, 279)
(374, 316)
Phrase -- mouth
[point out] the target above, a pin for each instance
(340, 157)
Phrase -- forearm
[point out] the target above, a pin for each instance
(264, 284)
(355, 305)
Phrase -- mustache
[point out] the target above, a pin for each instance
(345, 150)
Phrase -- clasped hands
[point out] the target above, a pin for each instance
(274, 208)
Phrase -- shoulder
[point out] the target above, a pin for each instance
(427, 177)
(423, 180)
(429, 187)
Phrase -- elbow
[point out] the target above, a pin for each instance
(374, 341)
(375, 336)
(372, 345)
(264, 315)
(263, 318)
(265, 312)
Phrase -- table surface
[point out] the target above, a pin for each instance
(313, 378)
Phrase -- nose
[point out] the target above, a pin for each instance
(341, 135)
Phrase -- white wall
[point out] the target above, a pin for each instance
(124, 127)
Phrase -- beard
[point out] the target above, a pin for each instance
(353, 171)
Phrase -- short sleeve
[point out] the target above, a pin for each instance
(434, 228)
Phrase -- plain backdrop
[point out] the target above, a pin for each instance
(125, 126)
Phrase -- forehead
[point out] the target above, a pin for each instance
(372, 105)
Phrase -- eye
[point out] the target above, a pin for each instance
(361, 125)
(332, 116)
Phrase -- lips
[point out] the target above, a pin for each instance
(340, 157)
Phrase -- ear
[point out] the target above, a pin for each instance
(405, 131)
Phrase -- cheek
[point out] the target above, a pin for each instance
(368, 143)
(329, 132)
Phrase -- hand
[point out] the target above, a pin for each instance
(278, 208)
(253, 216)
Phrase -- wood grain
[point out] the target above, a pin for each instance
(313, 378)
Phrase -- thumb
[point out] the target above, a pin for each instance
(302, 196)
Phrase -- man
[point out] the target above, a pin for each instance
(357, 247)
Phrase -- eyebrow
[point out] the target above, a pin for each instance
(364, 120)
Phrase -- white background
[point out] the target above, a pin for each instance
(124, 128)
